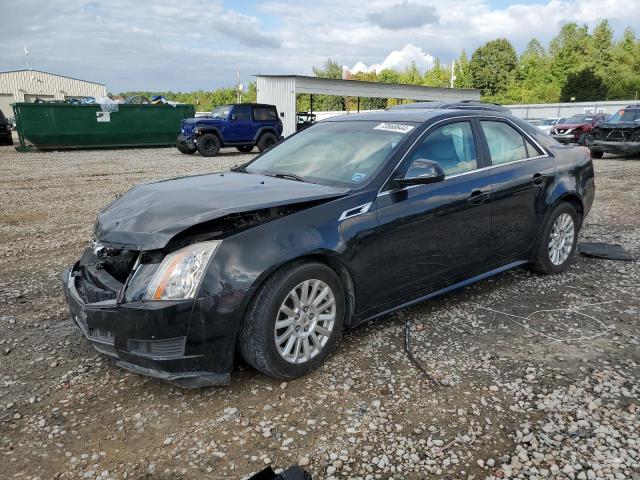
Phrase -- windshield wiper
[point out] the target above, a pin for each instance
(239, 168)
(289, 176)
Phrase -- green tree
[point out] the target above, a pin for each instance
(437, 76)
(463, 76)
(583, 86)
(330, 69)
(492, 66)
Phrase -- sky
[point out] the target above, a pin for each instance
(188, 45)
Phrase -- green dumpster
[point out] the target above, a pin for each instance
(65, 125)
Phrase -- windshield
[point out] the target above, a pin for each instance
(347, 153)
(221, 112)
(625, 116)
(579, 119)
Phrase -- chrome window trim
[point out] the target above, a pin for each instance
(463, 118)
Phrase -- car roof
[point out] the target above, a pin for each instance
(458, 105)
(415, 115)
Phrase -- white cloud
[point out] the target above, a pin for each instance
(199, 44)
(399, 59)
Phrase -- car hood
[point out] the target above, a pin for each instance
(148, 216)
(569, 126)
(202, 120)
(619, 125)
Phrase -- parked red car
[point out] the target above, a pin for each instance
(575, 129)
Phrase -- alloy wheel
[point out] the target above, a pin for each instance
(305, 321)
(561, 239)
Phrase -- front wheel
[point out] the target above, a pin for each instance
(294, 322)
(186, 150)
(557, 241)
(208, 145)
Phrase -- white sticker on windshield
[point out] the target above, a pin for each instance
(394, 127)
(358, 177)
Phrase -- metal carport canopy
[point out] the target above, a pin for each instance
(281, 91)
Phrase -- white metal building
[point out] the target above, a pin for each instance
(27, 85)
(281, 91)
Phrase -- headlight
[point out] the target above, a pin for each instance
(178, 276)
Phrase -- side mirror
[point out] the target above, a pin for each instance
(422, 172)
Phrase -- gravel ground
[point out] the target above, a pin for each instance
(535, 377)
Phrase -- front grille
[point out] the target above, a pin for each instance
(102, 272)
(166, 348)
(617, 134)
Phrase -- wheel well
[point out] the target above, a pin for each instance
(575, 201)
(265, 130)
(339, 269)
(213, 131)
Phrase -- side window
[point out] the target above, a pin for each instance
(452, 146)
(506, 144)
(264, 114)
(242, 113)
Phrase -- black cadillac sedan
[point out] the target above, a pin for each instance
(343, 222)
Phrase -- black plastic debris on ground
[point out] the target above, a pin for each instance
(607, 251)
(291, 473)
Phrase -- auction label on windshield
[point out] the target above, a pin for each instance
(394, 127)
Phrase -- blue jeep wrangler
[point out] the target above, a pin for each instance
(243, 126)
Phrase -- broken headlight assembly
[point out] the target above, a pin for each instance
(178, 276)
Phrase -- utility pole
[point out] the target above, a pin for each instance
(238, 91)
(453, 72)
(26, 52)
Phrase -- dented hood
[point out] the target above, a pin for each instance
(149, 215)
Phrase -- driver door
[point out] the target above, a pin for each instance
(435, 235)
(242, 128)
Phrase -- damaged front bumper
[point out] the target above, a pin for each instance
(565, 138)
(186, 142)
(187, 342)
(607, 146)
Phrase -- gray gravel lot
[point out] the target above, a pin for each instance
(538, 377)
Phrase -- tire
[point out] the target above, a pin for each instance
(582, 139)
(208, 145)
(596, 154)
(544, 261)
(257, 338)
(185, 150)
(266, 140)
(245, 148)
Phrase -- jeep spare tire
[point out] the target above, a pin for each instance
(266, 140)
(209, 145)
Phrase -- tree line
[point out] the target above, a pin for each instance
(578, 65)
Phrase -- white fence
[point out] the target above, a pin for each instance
(538, 111)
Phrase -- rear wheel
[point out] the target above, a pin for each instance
(294, 322)
(208, 145)
(266, 140)
(557, 241)
(245, 148)
(596, 154)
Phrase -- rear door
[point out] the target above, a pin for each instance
(520, 175)
(432, 235)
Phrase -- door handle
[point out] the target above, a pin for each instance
(539, 178)
(477, 197)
